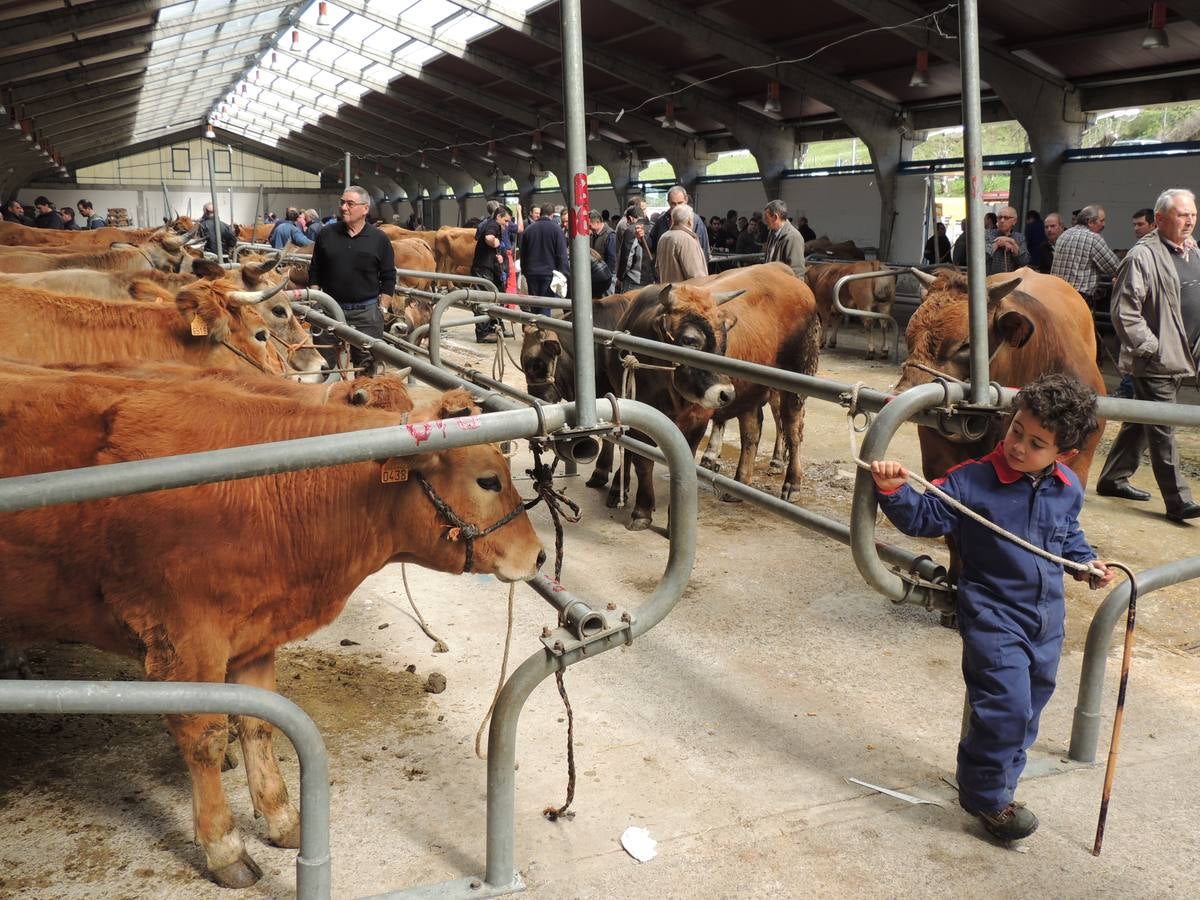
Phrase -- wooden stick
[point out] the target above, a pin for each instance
(1110, 771)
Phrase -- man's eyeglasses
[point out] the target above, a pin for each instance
(1007, 217)
(351, 203)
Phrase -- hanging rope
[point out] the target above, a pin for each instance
(557, 503)
(512, 589)
(550, 812)
(498, 364)
(629, 366)
(439, 646)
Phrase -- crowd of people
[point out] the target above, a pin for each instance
(47, 216)
(628, 250)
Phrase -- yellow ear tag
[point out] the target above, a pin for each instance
(199, 327)
(394, 471)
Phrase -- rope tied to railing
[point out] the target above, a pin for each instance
(629, 367)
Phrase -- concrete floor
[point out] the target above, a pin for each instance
(728, 732)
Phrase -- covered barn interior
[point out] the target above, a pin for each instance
(730, 732)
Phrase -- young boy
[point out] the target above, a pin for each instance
(1010, 601)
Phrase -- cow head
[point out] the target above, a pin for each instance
(540, 352)
(165, 250)
(473, 486)
(289, 339)
(689, 316)
(938, 333)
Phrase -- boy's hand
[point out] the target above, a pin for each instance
(888, 474)
(1096, 581)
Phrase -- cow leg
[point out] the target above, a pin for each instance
(716, 440)
(643, 506)
(869, 327)
(268, 791)
(835, 322)
(603, 469)
(618, 492)
(792, 413)
(779, 451)
(202, 740)
(750, 424)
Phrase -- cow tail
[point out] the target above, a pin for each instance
(810, 346)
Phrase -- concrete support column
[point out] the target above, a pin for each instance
(621, 166)
(890, 143)
(689, 165)
(774, 151)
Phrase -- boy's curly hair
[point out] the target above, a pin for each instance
(1064, 405)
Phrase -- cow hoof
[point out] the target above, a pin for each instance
(289, 840)
(776, 466)
(711, 463)
(240, 874)
(730, 498)
(787, 492)
(639, 524)
(598, 480)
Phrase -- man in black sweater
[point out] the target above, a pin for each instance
(353, 263)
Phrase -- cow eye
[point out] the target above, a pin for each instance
(279, 311)
(490, 483)
(690, 340)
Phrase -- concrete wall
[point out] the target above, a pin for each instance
(1121, 186)
(146, 205)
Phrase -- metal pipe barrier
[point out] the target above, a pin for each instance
(885, 320)
(212, 188)
(723, 258)
(313, 863)
(968, 43)
(447, 276)
(465, 297)
(863, 507)
(1085, 727)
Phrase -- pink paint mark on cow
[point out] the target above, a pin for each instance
(467, 423)
(420, 431)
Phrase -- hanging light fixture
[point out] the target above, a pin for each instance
(920, 75)
(536, 144)
(377, 172)
(27, 129)
(209, 133)
(1156, 33)
(424, 165)
(594, 130)
(772, 103)
(295, 39)
(455, 160)
(322, 13)
(274, 59)
(668, 120)
(491, 150)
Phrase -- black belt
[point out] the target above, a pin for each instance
(361, 305)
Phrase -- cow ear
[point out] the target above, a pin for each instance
(457, 403)
(1001, 289)
(730, 322)
(1014, 328)
(148, 292)
(207, 318)
(664, 297)
(207, 268)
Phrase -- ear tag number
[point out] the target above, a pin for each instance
(394, 471)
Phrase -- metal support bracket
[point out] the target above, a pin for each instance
(602, 624)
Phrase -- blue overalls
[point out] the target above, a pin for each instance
(1010, 606)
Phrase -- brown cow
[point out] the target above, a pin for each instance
(170, 578)
(161, 251)
(209, 325)
(871, 295)
(685, 315)
(824, 246)
(143, 285)
(254, 234)
(1037, 324)
(777, 326)
(549, 367)
(453, 248)
(82, 241)
(415, 255)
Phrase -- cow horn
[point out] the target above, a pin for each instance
(195, 243)
(252, 297)
(924, 277)
(997, 292)
(726, 296)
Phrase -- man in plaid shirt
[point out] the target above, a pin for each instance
(1081, 256)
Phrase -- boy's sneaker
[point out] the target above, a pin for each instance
(1011, 823)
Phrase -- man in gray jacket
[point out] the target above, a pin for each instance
(1156, 314)
(785, 244)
